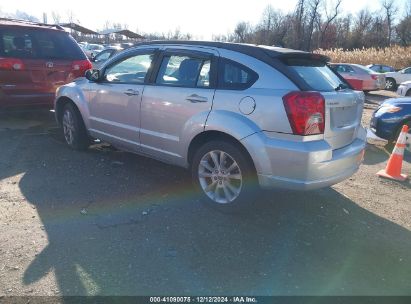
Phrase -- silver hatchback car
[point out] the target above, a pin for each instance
(237, 115)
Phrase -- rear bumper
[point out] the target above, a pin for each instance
(269, 181)
(373, 85)
(303, 165)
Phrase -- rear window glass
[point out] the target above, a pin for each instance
(38, 44)
(365, 69)
(316, 74)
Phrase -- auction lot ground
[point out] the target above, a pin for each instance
(104, 222)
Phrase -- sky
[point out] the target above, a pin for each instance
(200, 18)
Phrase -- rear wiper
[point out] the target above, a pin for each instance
(341, 86)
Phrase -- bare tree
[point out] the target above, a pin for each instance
(56, 17)
(242, 32)
(403, 31)
(330, 16)
(390, 11)
(24, 16)
(313, 15)
(71, 17)
(107, 25)
(299, 23)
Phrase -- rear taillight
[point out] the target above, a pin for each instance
(10, 64)
(375, 77)
(306, 112)
(79, 67)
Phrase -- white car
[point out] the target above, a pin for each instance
(393, 79)
(91, 49)
(404, 89)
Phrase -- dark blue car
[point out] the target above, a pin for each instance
(389, 118)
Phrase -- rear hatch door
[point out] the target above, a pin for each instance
(343, 106)
(45, 58)
(343, 112)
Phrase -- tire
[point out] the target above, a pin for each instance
(390, 84)
(408, 93)
(73, 128)
(220, 187)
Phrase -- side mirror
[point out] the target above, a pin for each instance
(93, 75)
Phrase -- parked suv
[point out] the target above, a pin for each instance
(234, 114)
(35, 59)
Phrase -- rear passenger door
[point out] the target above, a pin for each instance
(181, 89)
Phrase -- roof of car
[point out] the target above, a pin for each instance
(248, 49)
(24, 23)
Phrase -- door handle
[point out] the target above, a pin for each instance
(196, 98)
(131, 92)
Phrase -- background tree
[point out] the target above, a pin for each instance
(56, 17)
(390, 11)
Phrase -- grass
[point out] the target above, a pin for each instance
(395, 56)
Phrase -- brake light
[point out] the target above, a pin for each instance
(375, 77)
(79, 67)
(306, 112)
(10, 64)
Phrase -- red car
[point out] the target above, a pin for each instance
(360, 77)
(35, 60)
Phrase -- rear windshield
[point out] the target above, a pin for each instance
(38, 44)
(316, 74)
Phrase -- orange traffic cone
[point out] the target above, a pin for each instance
(394, 165)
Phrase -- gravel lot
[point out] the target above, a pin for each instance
(104, 222)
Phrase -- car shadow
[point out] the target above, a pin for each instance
(375, 154)
(120, 224)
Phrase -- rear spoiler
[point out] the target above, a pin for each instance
(304, 56)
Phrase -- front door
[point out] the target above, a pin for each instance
(181, 92)
(114, 102)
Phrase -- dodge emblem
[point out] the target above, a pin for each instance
(49, 64)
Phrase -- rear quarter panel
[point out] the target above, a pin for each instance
(267, 92)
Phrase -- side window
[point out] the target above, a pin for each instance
(348, 69)
(235, 76)
(130, 70)
(407, 71)
(184, 71)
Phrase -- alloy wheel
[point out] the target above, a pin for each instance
(68, 127)
(389, 85)
(220, 177)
